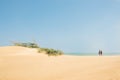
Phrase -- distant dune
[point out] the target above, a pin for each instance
(19, 63)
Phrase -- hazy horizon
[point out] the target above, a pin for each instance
(83, 26)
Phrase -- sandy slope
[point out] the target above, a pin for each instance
(18, 63)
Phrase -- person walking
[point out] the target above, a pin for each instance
(100, 53)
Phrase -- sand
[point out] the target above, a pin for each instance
(19, 63)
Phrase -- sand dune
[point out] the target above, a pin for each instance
(19, 63)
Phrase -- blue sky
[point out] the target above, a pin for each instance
(70, 25)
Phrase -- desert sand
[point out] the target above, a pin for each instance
(19, 63)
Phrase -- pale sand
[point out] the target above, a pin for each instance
(18, 63)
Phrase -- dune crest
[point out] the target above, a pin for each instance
(17, 50)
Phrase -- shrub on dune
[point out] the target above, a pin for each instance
(50, 52)
(29, 45)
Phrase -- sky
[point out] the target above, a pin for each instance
(69, 25)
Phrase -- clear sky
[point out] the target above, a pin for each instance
(68, 25)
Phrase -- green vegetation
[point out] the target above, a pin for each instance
(29, 45)
(49, 52)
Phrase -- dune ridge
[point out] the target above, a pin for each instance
(19, 63)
